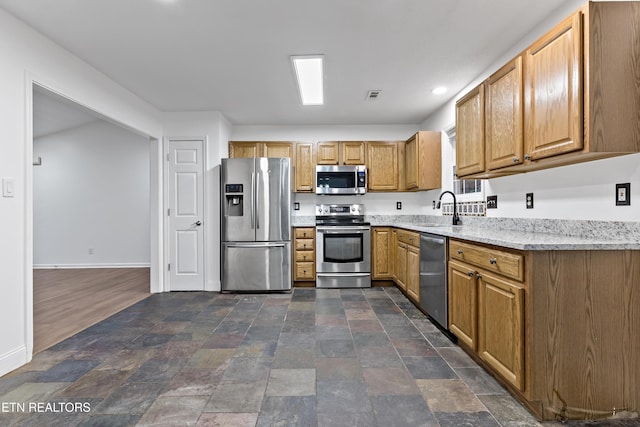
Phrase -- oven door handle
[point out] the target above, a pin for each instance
(341, 230)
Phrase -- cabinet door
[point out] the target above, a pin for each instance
(393, 244)
(352, 153)
(553, 91)
(503, 114)
(241, 149)
(382, 165)
(401, 265)
(411, 162)
(305, 167)
(463, 299)
(277, 149)
(381, 239)
(501, 327)
(470, 133)
(413, 273)
(328, 153)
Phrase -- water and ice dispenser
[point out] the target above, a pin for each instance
(234, 197)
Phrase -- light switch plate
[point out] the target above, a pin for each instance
(8, 187)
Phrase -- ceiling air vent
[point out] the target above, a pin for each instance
(372, 95)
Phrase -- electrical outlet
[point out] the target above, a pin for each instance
(492, 202)
(398, 205)
(90, 251)
(433, 204)
(623, 194)
(296, 206)
(529, 200)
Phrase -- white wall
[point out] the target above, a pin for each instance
(582, 191)
(28, 57)
(91, 194)
(215, 129)
(323, 133)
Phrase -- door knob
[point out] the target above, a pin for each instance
(198, 223)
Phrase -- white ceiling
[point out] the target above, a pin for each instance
(233, 55)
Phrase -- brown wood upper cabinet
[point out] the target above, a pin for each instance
(260, 149)
(423, 161)
(470, 133)
(553, 91)
(580, 98)
(503, 116)
(305, 167)
(341, 153)
(382, 166)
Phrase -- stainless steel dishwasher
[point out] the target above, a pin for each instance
(433, 277)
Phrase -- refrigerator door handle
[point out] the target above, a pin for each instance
(252, 198)
(260, 245)
(257, 199)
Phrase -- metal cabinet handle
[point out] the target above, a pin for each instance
(470, 273)
(198, 223)
(478, 276)
(516, 159)
(493, 261)
(527, 157)
(459, 251)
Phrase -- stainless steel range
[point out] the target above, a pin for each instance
(343, 247)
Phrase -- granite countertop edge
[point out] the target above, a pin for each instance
(513, 239)
(520, 240)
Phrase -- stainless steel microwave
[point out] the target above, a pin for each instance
(346, 180)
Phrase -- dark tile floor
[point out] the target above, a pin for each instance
(310, 358)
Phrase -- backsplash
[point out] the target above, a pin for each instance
(465, 209)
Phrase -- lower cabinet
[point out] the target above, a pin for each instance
(501, 327)
(486, 310)
(381, 260)
(396, 256)
(304, 256)
(413, 273)
(463, 303)
(401, 265)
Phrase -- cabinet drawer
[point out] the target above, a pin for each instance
(409, 237)
(305, 232)
(505, 263)
(305, 256)
(304, 270)
(305, 245)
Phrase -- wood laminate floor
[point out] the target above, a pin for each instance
(67, 301)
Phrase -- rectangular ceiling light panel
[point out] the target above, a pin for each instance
(309, 74)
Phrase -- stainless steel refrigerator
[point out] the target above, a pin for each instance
(255, 229)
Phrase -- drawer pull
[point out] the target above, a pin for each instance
(478, 276)
(470, 273)
(459, 251)
(493, 261)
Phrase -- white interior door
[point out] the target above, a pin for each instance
(186, 215)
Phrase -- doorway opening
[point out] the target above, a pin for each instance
(91, 218)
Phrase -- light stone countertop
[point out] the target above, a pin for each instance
(528, 241)
(516, 233)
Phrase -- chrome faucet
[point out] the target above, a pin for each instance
(456, 218)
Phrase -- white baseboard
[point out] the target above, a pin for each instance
(13, 360)
(213, 286)
(106, 265)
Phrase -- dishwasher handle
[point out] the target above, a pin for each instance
(437, 240)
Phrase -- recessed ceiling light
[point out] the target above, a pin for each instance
(439, 90)
(309, 71)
